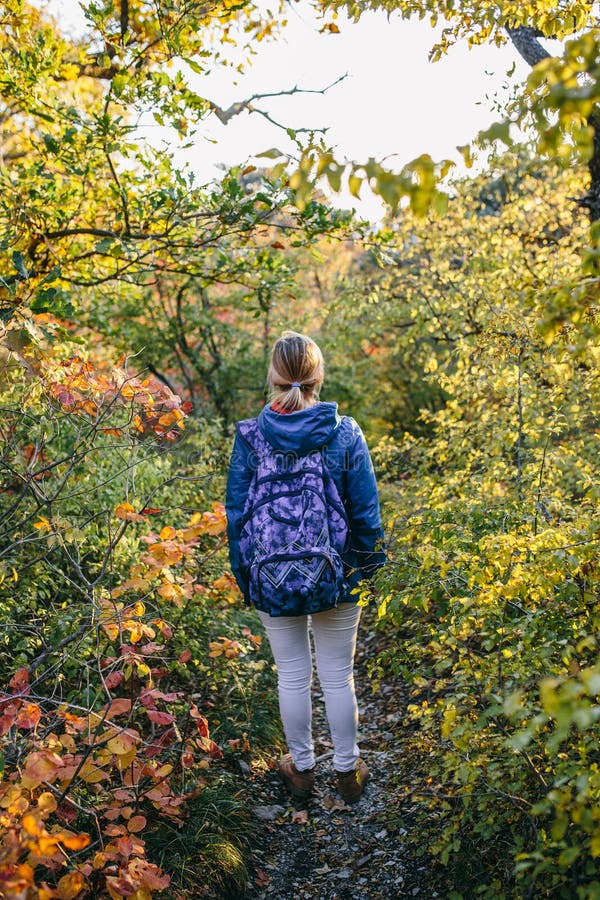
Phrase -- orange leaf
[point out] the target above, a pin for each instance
(117, 707)
(126, 512)
(29, 716)
(136, 823)
(41, 765)
(74, 841)
(43, 523)
(32, 825)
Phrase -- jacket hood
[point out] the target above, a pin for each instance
(300, 432)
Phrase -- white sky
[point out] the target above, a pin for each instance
(394, 102)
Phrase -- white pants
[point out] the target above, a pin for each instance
(334, 633)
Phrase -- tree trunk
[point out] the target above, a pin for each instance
(591, 200)
(526, 41)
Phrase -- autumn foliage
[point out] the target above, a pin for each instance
(137, 309)
(101, 736)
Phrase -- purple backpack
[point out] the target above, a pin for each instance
(294, 530)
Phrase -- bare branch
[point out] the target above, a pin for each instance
(225, 115)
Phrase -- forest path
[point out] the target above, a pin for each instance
(324, 849)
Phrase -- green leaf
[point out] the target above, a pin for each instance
(334, 176)
(19, 264)
(54, 300)
(53, 275)
(440, 203)
(52, 145)
(273, 153)
(194, 66)
(499, 131)
(6, 314)
(119, 83)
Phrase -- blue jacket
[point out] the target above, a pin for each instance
(347, 457)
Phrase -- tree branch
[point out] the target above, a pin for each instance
(225, 115)
(124, 23)
(525, 40)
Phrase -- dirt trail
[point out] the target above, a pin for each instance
(325, 849)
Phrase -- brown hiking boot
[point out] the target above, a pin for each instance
(351, 784)
(299, 784)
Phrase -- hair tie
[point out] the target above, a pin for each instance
(296, 384)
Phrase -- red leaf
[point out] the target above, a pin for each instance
(168, 698)
(122, 886)
(201, 723)
(215, 751)
(114, 679)
(113, 813)
(147, 699)
(20, 679)
(159, 718)
(114, 830)
(164, 740)
(185, 656)
(262, 879)
(29, 715)
(151, 647)
(124, 845)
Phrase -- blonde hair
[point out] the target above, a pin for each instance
(295, 358)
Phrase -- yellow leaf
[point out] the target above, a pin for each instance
(43, 523)
(91, 773)
(70, 885)
(47, 802)
(69, 72)
(112, 630)
(354, 184)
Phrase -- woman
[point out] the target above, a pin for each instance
(293, 425)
